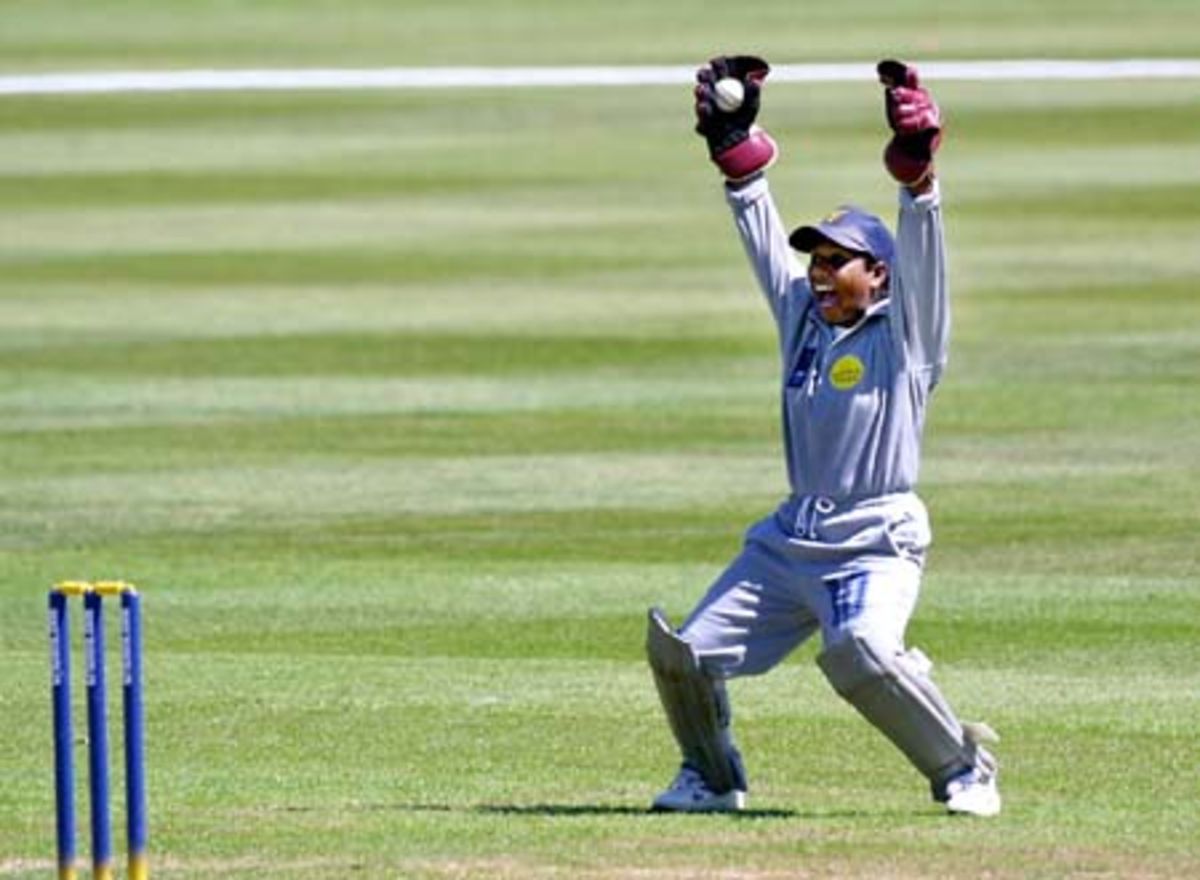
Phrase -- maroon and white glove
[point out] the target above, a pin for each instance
(737, 146)
(915, 120)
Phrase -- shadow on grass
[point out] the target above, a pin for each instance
(589, 810)
(599, 810)
(593, 810)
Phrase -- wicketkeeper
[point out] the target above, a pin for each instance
(863, 339)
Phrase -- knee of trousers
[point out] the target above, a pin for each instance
(892, 690)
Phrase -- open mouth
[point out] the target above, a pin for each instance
(825, 296)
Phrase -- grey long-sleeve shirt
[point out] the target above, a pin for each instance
(854, 399)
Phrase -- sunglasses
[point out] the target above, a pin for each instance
(835, 261)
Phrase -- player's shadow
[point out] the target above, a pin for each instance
(584, 810)
(604, 810)
(814, 816)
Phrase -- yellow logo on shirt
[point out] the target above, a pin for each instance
(846, 372)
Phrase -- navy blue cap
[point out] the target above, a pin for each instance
(852, 228)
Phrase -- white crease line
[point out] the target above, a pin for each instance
(516, 77)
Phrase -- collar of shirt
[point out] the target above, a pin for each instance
(838, 333)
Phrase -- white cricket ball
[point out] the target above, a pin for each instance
(728, 93)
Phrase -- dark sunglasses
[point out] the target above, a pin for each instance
(835, 261)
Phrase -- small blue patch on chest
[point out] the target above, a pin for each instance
(804, 363)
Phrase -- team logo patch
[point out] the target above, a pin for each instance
(846, 372)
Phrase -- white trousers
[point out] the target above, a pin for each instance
(780, 590)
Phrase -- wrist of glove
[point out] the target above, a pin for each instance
(754, 152)
(915, 121)
(737, 146)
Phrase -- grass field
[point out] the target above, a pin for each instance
(402, 406)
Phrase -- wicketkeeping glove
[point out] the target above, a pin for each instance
(737, 146)
(915, 120)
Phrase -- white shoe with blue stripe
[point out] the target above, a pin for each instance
(689, 793)
(974, 793)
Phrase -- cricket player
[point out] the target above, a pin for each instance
(863, 336)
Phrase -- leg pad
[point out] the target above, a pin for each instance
(893, 691)
(696, 706)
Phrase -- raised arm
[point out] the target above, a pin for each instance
(764, 237)
(727, 100)
(920, 309)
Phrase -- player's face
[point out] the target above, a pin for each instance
(844, 283)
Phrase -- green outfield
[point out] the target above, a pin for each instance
(401, 407)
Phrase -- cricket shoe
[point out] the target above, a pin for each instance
(973, 793)
(689, 793)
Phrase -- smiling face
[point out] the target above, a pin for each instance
(844, 283)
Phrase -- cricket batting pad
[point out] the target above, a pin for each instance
(696, 707)
(894, 692)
